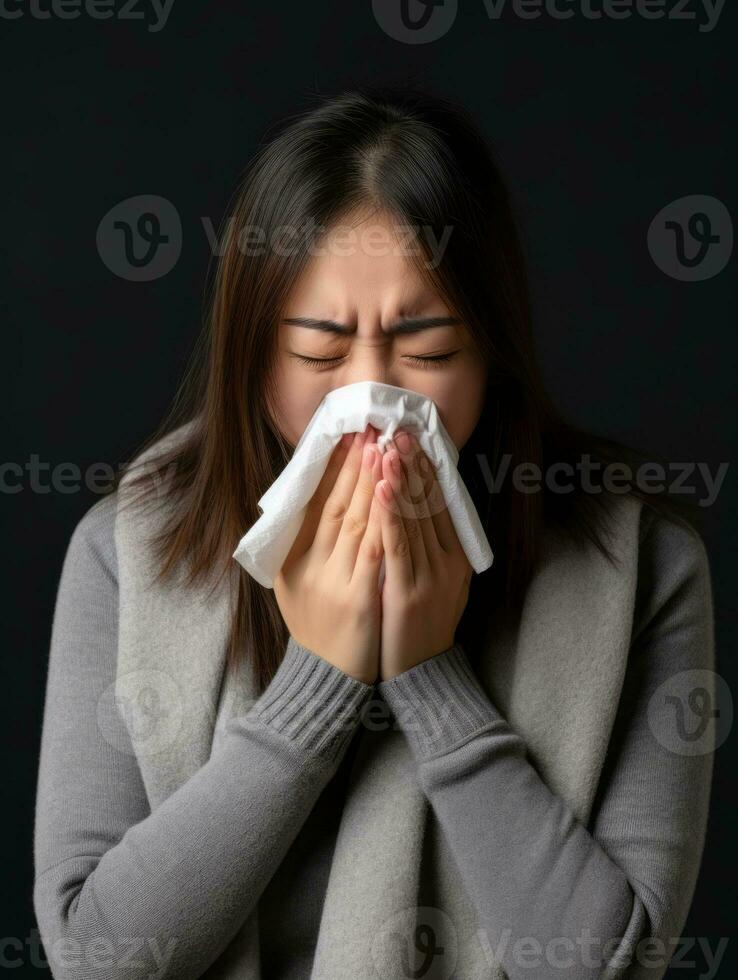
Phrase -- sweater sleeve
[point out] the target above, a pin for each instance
(120, 891)
(607, 900)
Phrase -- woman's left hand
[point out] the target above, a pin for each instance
(427, 573)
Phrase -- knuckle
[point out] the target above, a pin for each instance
(365, 489)
(419, 599)
(412, 529)
(334, 510)
(373, 550)
(411, 604)
(401, 548)
(407, 502)
(354, 525)
(436, 500)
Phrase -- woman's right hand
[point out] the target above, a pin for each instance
(327, 588)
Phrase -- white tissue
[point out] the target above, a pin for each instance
(263, 549)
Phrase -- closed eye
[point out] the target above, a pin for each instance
(316, 360)
(430, 361)
(424, 362)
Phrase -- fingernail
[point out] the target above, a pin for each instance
(403, 441)
(369, 455)
(358, 438)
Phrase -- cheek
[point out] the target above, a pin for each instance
(295, 399)
(459, 400)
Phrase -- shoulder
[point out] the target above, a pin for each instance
(670, 551)
(91, 548)
(150, 482)
(665, 547)
(674, 588)
(85, 618)
(149, 457)
(662, 557)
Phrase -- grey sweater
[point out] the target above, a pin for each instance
(262, 814)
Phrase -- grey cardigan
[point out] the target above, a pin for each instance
(543, 793)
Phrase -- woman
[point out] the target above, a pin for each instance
(474, 776)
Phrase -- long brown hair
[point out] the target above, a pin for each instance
(422, 159)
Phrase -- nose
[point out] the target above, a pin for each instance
(371, 360)
(375, 371)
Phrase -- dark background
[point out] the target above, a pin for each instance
(598, 125)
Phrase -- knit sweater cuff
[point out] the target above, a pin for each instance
(440, 703)
(313, 702)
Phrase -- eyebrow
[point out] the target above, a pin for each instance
(404, 326)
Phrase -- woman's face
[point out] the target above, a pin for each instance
(366, 294)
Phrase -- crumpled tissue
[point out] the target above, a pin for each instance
(350, 408)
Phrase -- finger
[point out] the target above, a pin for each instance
(371, 551)
(445, 537)
(306, 535)
(356, 519)
(398, 569)
(337, 502)
(412, 505)
(426, 505)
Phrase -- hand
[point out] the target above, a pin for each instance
(427, 573)
(327, 589)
